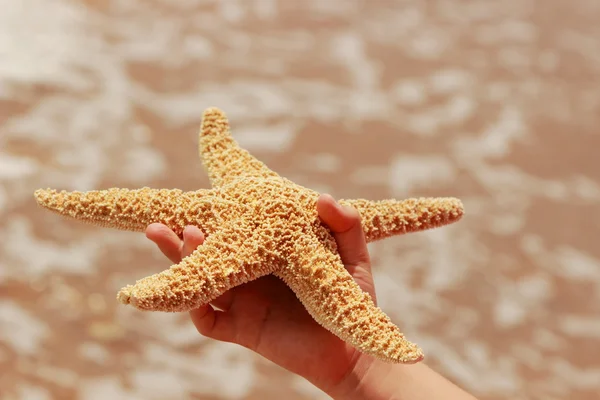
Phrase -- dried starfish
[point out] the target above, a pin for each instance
(258, 223)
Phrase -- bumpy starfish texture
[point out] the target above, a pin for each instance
(257, 223)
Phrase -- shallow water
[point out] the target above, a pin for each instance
(493, 102)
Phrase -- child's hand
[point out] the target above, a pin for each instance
(265, 316)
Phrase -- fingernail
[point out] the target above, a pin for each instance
(337, 205)
(332, 198)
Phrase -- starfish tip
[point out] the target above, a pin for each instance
(415, 357)
(39, 193)
(42, 196)
(213, 112)
(458, 206)
(124, 295)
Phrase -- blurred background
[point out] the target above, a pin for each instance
(494, 102)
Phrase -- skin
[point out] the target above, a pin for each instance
(266, 317)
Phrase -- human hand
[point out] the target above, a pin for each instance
(265, 316)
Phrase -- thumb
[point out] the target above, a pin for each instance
(345, 224)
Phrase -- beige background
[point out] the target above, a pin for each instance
(495, 102)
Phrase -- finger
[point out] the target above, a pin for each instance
(345, 224)
(192, 238)
(166, 240)
(212, 323)
(348, 233)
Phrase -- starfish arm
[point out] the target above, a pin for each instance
(334, 300)
(228, 258)
(224, 159)
(134, 210)
(385, 218)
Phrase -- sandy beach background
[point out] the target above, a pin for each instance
(495, 102)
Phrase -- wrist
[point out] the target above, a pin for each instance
(361, 380)
(373, 379)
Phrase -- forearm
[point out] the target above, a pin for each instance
(375, 380)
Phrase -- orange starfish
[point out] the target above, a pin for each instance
(257, 223)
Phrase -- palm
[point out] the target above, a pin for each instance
(273, 322)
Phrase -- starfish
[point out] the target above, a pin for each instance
(258, 223)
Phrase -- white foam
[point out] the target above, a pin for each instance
(508, 311)
(409, 92)
(15, 167)
(409, 172)
(580, 326)
(31, 392)
(108, 387)
(76, 258)
(322, 162)
(46, 53)
(226, 369)
(20, 329)
(271, 138)
(448, 81)
(95, 352)
(576, 264)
